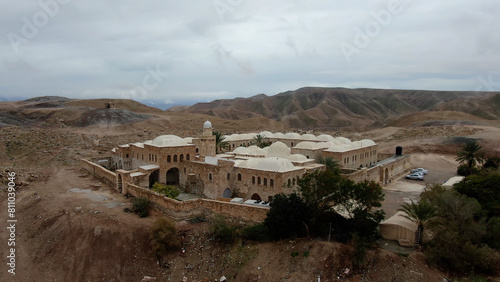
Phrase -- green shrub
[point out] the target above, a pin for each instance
(256, 232)
(222, 230)
(141, 206)
(167, 190)
(163, 236)
(463, 170)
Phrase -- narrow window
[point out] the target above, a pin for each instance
(228, 176)
(253, 179)
(169, 158)
(239, 176)
(175, 158)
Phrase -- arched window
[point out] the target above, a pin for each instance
(253, 179)
(126, 156)
(293, 181)
(175, 158)
(169, 158)
(156, 158)
(271, 182)
(265, 181)
(239, 176)
(258, 180)
(210, 176)
(182, 157)
(228, 176)
(187, 157)
(197, 150)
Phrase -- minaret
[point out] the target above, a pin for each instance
(207, 129)
(207, 144)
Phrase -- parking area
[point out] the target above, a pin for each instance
(440, 168)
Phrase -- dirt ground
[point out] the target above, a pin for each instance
(71, 227)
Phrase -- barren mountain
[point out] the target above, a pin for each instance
(333, 108)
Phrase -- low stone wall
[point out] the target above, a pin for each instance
(185, 210)
(99, 172)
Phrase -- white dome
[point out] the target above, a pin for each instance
(207, 124)
(169, 141)
(232, 137)
(188, 140)
(325, 138)
(266, 134)
(297, 158)
(278, 135)
(292, 135)
(271, 164)
(255, 151)
(241, 151)
(356, 144)
(278, 149)
(308, 137)
(324, 145)
(306, 145)
(343, 140)
(367, 142)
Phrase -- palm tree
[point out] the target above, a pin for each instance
(470, 154)
(220, 144)
(259, 140)
(421, 213)
(330, 163)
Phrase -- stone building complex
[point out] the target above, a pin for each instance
(245, 170)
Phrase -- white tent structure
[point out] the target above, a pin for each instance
(399, 228)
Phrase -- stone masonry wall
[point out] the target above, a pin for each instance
(99, 172)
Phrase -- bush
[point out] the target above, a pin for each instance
(140, 206)
(163, 236)
(222, 230)
(167, 190)
(256, 232)
(288, 217)
(493, 228)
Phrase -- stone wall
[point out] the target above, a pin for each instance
(184, 210)
(99, 172)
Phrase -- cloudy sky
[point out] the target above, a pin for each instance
(182, 52)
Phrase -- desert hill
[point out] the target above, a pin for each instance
(334, 108)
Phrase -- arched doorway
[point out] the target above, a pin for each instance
(227, 193)
(256, 197)
(120, 183)
(154, 177)
(386, 180)
(173, 176)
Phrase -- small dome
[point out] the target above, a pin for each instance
(297, 158)
(343, 140)
(278, 149)
(325, 138)
(356, 144)
(271, 164)
(292, 135)
(367, 143)
(168, 141)
(207, 124)
(256, 151)
(247, 136)
(278, 135)
(306, 145)
(336, 148)
(266, 134)
(241, 151)
(308, 137)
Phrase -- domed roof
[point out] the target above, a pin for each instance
(207, 124)
(188, 140)
(292, 135)
(336, 148)
(279, 135)
(325, 137)
(356, 144)
(297, 158)
(308, 137)
(241, 151)
(271, 164)
(168, 141)
(343, 140)
(247, 136)
(232, 137)
(278, 149)
(306, 145)
(367, 142)
(266, 134)
(255, 151)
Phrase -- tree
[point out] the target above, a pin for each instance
(330, 163)
(259, 141)
(485, 188)
(420, 213)
(220, 144)
(470, 154)
(288, 217)
(167, 190)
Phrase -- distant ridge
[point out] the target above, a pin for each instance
(332, 108)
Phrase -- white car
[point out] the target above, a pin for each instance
(422, 170)
(415, 176)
